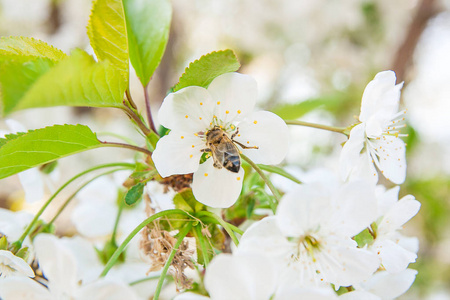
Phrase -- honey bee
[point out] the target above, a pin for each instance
(223, 149)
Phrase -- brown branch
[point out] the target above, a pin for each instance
(425, 11)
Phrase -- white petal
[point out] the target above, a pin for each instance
(350, 265)
(216, 187)
(16, 263)
(390, 286)
(190, 296)
(190, 110)
(269, 133)
(178, 153)
(88, 263)
(22, 288)
(233, 93)
(90, 223)
(303, 209)
(386, 199)
(381, 96)
(301, 293)
(15, 126)
(265, 238)
(106, 289)
(102, 189)
(399, 214)
(359, 295)
(391, 157)
(247, 277)
(393, 257)
(351, 151)
(409, 243)
(58, 264)
(32, 184)
(355, 208)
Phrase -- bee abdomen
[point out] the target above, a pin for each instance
(232, 163)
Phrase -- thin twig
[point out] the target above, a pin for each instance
(127, 146)
(148, 109)
(318, 126)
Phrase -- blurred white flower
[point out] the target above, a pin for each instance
(33, 180)
(395, 251)
(102, 196)
(311, 235)
(250, 277)
(225, 108)
(11, 265)
(60, 269)
(12, 224)
(375, 141)
(382, 286)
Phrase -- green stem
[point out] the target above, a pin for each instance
(220, 221)
(181, 235)
(129, 98)
(144, 223)
(132, 115)
(146, 279)
(274, 191)
(116, 223)
(201, 241)
(318, 126)
(148, 109)
(126, 146)
(78, 190)
(39, 213)
(119, 136)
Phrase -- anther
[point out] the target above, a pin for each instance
(182, 137)
(218, 102)
(186, 116)
(254, 122)
(227, 112)
(238, 111)
(206, 174)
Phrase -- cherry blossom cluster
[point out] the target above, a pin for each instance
(332, 236)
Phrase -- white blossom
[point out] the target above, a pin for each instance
(395, 251)
(311, 235)
(251, 277)
(101, 195)
(227, 104)
(60, 269)
(375, 141)
(11, 265)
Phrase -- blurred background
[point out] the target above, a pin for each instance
(311, 59)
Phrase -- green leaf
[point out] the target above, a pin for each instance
(108, 34)
(185, 200)
(22, 151)
(134, 194)
(28, 47)
(202, 71)
(148, 24)
(364, 238)
(76, 81)
(17, 75)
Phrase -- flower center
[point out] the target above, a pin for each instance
(305, 245)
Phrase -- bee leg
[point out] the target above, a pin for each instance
(245, 147)
(205, 150)
(217, 165)
(235, 134)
